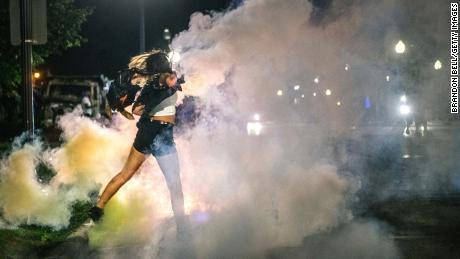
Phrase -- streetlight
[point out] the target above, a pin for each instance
(400, 47)
(328, 92)
(279, 92)
(437, 65)
(316, 80)
(166, 35)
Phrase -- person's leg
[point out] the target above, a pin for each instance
(418, 123)
(407, 126)
(135, 160)
(169, 165)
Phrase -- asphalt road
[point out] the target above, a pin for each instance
(414, 187)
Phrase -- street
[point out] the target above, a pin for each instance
(406, 204)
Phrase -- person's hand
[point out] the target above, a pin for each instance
(171, 80)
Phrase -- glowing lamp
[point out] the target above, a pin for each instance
(400, 47)
(437, 65)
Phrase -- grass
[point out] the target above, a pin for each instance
(28, 238)
(44, 174)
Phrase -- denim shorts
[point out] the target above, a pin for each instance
(154, 137)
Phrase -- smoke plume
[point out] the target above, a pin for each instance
(245, 195)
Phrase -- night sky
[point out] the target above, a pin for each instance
(112, 32)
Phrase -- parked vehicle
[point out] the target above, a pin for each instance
(62, 94)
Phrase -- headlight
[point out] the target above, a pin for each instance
(404, 109)
(254, 128)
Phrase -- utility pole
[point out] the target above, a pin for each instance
(27, 27)
(141, 27)
(26, 54)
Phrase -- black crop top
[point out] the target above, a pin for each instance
(153, 94)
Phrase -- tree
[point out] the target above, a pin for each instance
(65, 19)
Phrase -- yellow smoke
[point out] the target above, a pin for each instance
(125, 222)
(25, 200)
(91, 154)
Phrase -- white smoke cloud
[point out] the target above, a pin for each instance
(283, 190)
